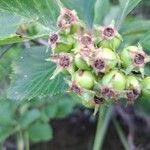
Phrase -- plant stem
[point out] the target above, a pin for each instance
(23, 140)
(103, 121)
(20, 141)
(121, 135)
(26, 141)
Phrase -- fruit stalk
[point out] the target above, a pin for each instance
(102, 126)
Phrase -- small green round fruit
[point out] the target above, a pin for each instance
(115, 79)
(133, 89)
(104, 60)
(146, 87)
(85, 79)
(126, 56)
(134, 59)
(132, 83)
(65, 44)
(111, 44)
(110, 57)
(80, 63)
(87, 100)
(63, 47)
(74, 28)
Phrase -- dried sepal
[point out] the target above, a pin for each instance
(108, 32)
(86, 54)
(97, 103)
(134, 59)
(74, 87)
(139, 58)
(63, 61)
(108, 37)
(86, 40)
(133, 89)
(67, 18)
(52, 40)
(109, 93)
(132, 95)
(103, 60)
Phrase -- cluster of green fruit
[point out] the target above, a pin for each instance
(92, 67)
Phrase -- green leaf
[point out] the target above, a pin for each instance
(17, 38)
(143, 104)
(145, 41)
(64, 106)
(135, 26)
(45, 11)
(7, 55)
(32, 76)
(40, 132)
(5, 132)
(10, 24)
(101, 9)
(8, 27)
(29, 117)
(147, 69)
(133, 30)
(84, 8)
(126, 6)
(6, 113)
(58, 106)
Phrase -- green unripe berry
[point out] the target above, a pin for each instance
(65, 44)
(63, 47)
(87, 100)
(70, 30)
(115, 79)
(80, 63)
(126, 56)
(85, 79)
(146, 87)
(112, 85)
(111, 44)
(109, 38)
(74, 28)
(104, 60)
(133, 89)
(134, 59)
(132, 82)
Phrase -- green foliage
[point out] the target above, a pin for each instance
(145, 41)
(32, 76)
(40, 132)
(32, 117)
(101, 9)
(6, 113)
(45, 11)
(126, 6)
(29, 117)
(13, 29)
(135, 29)
(31, 73)
(5, 132)
(8, 24)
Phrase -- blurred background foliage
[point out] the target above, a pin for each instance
(28, 100)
